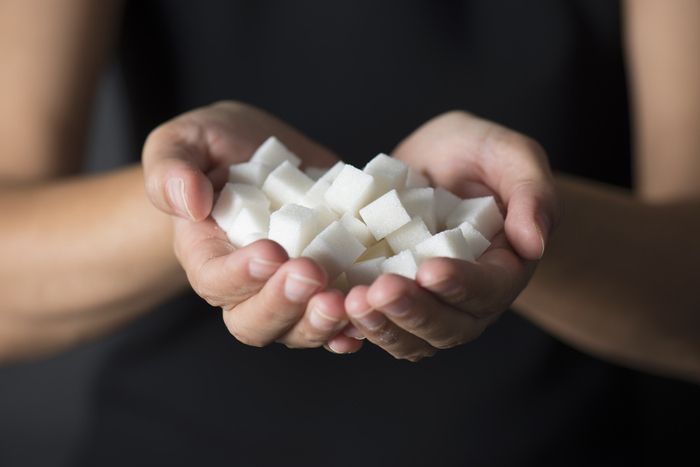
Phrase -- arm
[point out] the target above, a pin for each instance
(80, 255)
(618, 278)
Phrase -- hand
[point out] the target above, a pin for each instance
(451, 302)
(264, 295)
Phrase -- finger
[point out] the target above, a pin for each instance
(526, 187)
(175, 160)
(281, 302)
(324, 318)
(217, 271)
(381, 331)
(342, 344)
(422, 314)
(483, 289)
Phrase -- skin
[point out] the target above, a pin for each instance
(67, 275)
(626, 291)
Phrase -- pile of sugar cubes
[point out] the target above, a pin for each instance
(357, 224)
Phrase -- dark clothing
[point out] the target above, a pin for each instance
(176, 388)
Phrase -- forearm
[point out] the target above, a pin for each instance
(618, 278)
(79, 257)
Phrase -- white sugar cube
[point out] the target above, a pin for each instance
(251, 173)
(364, 272)
(293, 227)
(403, 264)
(448, 243)
(334, 249)
(351, 190)
(286, 184)
(316, 194)
(273, 153)
(415, 179)
(385, 214)
(420, 202)
(332, 173)
(482, 213)
(389, 173)
(358, 228)
(249, 221)
(233, 198)
(409, 235)
(445, 202)
(254, 237)
(477, 242)
(325, 216)
(379, 249)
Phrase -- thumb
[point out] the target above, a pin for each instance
(174, 162)
(533, 212)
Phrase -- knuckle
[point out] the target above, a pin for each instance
(386, 336)
(242, 333)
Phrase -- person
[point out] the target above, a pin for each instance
(69, 277)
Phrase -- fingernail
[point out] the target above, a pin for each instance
(330, 346)
(262, 269)
(370, 319)
(322, 321)
(351, 331)
(397, 306)
(443, 285)
(176, 193)
(542, 225)
(299, 289)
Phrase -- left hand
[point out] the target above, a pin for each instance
(451, 301)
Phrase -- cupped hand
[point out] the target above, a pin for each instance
(265, 296)
(451, 301)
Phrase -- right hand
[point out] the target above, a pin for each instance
(265, 296)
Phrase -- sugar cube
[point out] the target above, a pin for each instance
(385, 214)
(248, 221)
(482, 213)
(445, 202)
(334, 249)
(409, 235)
(364, 272)
(286, 184)
(351, 190)
(254, 237)
(233, 198)
(358, 228)
(389, 173)
(379, 249)
(325, 216)
(332, 173)
(415, 179)
(273, 153)
(420, 202)
(477, 242)
(251, 173)
(403, 264)
(293, 227)
(448, 243)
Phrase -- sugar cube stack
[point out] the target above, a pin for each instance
(357, 224)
